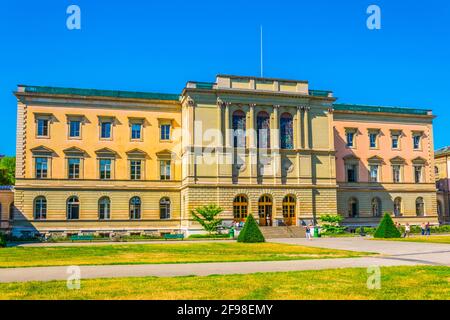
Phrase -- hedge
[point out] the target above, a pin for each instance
(250, 233)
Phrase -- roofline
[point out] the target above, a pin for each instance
(260, 78)
(392, 110)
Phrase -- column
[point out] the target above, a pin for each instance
(299, 128)
(276, 158)
(276, 128)
(307, 138)
(227, 125)
(252, 144)
(220, 123)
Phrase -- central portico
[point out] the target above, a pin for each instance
(258, 145)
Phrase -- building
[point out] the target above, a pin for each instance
(442, 169)
(102, 161)
(6, 206)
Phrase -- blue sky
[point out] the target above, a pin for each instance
(159, 45)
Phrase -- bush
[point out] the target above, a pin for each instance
(387, 228)
(209, 236)
(250, 233)
(207, 217)
(330, 224)
(2, 240)
(367, 230)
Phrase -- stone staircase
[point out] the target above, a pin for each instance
(283, 232)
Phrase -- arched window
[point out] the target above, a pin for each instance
(420, 208)
(135, 208)
(398, 207)
(240, 208)
(376, 207)
(73, 208)
(263, 129)
(164, 208)
(439, 208)
(289, 209)
(239, 125)
(353, 208)
(286, 131)
(104, 208)
(265, 210)
(40, 208)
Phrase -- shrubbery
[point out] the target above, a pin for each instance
(2, 240)
(387, 228)
(330, 224)
(250, 233)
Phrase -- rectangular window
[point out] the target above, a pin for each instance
(74, 129)
(105, 169)
(373, 173)
(350, 137)
(373, 140)
(105, 132)
(416, 142)
(417, 174)
(42, 127)
(136, 129)
(73, 168)
(396, 173)
(41, 168)
(352, 171)
(165, 169)
(135, 169)
(165, 132)
(394, 141)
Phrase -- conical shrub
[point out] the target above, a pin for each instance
(250, 233)
(387, 228)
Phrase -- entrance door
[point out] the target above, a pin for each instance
(289, 210)
(265, 211)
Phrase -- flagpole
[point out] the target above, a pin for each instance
(262, 66)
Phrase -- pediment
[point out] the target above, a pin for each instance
(75, 151)
(398, 159)
(137, 153)
(43, 150)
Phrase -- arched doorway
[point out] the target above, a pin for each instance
(265, 210)
(240, 208)
(289, 210)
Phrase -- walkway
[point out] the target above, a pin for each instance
(392, 254)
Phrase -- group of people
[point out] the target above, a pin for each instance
(424, 227)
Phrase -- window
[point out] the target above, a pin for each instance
(373, 139)
(376, 207)
(135, 169)
(286, 131)
(439, 208)
(164, 169)
(240, 208)
(373, 173)
(436, 170)
(74, 129)
(73, 165)
(239, 127)
(136, 131)
(42, 127)
(352, 173)
(11, 211)
(165, 131)
(263, 129)
(350, 138)
(105, 130)
(289, 209)
(73, 208)
(395, 140)
(418, 174)
(164, 208)
(41, 168)
(398, 207)
(135, 208)
(396, 173)
(40, 208)
(105, 168)
(104, 208)
(416, 141)
(419, 207)
(353, 208)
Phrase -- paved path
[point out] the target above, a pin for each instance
(392, 254)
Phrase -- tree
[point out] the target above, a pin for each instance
(250, 233)
(387, 228)
(207, 217)
(7, 171)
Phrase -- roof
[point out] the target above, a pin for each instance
(6, 187)
(98, 93)
(380, 109)
(442, 151)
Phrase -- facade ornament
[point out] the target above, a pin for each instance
(276, 106)
(220, 103)
(190, 101)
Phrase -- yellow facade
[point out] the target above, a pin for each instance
(210, 139)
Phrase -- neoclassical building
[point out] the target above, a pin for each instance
(101, 161)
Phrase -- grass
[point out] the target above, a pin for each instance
(162, 253)
(343, 284)
(430, 239)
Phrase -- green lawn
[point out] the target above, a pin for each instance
(162, 253)
(431, 239)
(396, 283)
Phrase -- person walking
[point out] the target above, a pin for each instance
(308, 232)
(407, 230)
(428, 229)
(422, 228)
